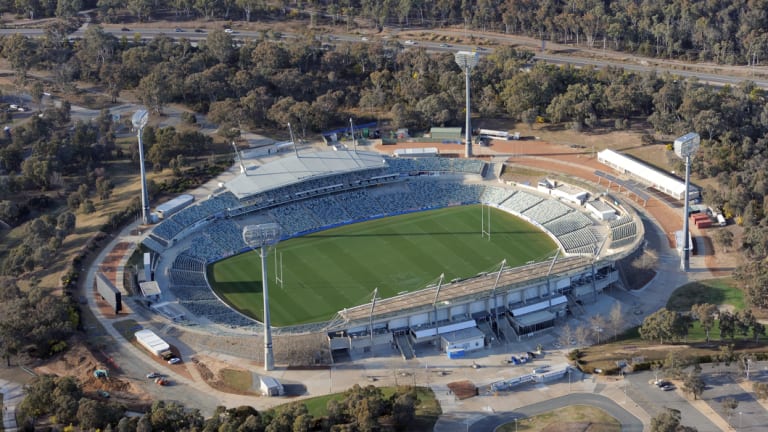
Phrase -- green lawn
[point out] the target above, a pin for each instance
(713, 291)
(330, 270)
(427, 410)
(570, 418)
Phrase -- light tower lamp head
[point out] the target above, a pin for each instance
(140, 118)
(261, 235)
(687, 145)
(466, 59)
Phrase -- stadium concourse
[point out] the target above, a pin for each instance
(312, 191)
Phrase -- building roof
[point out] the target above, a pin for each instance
(293, 169)
(476, 287)
(462, 335)
(659, 179)
(150, 288)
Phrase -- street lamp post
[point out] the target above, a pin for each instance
(139, 120)
(467, 61)
(685, 147)
(263, 236)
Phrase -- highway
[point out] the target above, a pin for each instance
(719, 75)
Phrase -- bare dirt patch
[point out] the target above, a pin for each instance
(80, 362)
(213, 372)
(463, 389)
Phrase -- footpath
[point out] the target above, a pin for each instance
(12, 396)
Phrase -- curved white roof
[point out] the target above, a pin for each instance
(293, 169)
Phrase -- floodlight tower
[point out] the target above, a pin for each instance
(685, 147)
(139, 120)
(263, 236)
(467, 60)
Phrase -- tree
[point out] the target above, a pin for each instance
(727, 325)
(693, 383)
(666, 421)
(616, 319)
(705, 313)
(597, 326)
(659, 325)
(565, 335)
(724, 238)
(404, 409)
(65, 224)
(761, 390)
(729, 405)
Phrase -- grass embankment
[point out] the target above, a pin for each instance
(721, 292)
(427, 408)
(714, 291)
(571, 418)
(330, 270)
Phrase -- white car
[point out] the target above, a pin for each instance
(410, 42)
(364, 39)
(230, 31)
(174, 360)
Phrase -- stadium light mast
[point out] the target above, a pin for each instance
(494, 316)
(293, 140)
(685, 147)
(352, 128)
(139, 120)
(263, 236)
(437, 294)
(467, 60)
(373, 306)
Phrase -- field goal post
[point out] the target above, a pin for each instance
(485, 221)
(279, 268)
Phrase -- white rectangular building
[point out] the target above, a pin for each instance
(152, 342)
(647, 174)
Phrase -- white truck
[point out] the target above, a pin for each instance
(721, 220)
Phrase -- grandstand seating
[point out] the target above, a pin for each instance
(623, 231)
(568, 223)
(579, 241)
(546, 211)
(294, 218)
(327, 210)
(520, 202)
(495, 195)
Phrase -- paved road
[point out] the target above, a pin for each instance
(629, 422)
(718, 76)
(653, 400)
(12, 396)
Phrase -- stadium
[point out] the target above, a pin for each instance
(312, 193)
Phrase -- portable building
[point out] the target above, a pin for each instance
(152, 342)
(270, 386)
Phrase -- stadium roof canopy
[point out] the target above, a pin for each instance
(294, 169)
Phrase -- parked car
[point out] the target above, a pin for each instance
(410, 42)
(668, 387)
(230, 31)
(174, 360)
(153, 375)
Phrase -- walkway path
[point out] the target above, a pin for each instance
(12, 396)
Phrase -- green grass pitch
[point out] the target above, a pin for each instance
(329, 270)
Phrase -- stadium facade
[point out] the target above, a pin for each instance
(313, 192)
